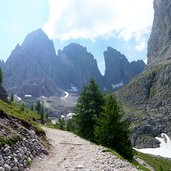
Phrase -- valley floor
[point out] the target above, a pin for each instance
(71, 153)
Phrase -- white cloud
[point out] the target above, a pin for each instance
(72, 19)
(140, 47)
(145, 61)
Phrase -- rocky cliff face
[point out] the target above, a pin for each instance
(147, 98)
(29, 67)
(118, 70)
(147, 101)
(80, 66)
(159, 45)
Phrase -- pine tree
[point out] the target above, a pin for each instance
(42, 114)
(1, 77)
(61, 123)
(88, 109)
(38, 107)
(22, 107)
(70, 125)
(12, 97)
(111, 130)
(32, 107)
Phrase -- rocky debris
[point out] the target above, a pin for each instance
(18, 156)
(70, 152)
(3, 94)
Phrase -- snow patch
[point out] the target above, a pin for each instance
(70, 115)
(164, 150)
(73, 88)
(62, 116)
(27, 96)
(117, 85)
(17, 98)
(66, 95)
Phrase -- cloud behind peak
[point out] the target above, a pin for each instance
(73, 19)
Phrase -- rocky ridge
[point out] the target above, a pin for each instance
(35, 69)
(79, 66)
(28, 69)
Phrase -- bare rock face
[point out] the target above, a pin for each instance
(159, 44)
(79, 66)
(147, 98)
(148, 105)
(30, 67)
(119, 71)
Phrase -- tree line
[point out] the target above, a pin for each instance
(100, 119)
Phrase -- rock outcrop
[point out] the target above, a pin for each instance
(147, 98)
(147, 101)
(118, 70)
(159, 44)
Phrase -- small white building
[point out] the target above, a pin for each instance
(28, 96)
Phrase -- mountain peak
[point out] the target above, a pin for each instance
(37, 33)
(117, 63)
(37, 36)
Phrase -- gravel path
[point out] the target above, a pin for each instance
(72, 153)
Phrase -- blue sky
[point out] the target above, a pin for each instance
(122, 24)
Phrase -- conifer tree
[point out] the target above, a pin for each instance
(61, 123)
(32, 107)
(42, 114)
(12, 97)
(111, 130)
(88, 109)
(22, 107)
(38, 107)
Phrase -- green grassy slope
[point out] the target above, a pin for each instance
(27, 117)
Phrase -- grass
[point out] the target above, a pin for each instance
(50, 125)
(27, 117)
(9, 140)
(157, 163)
